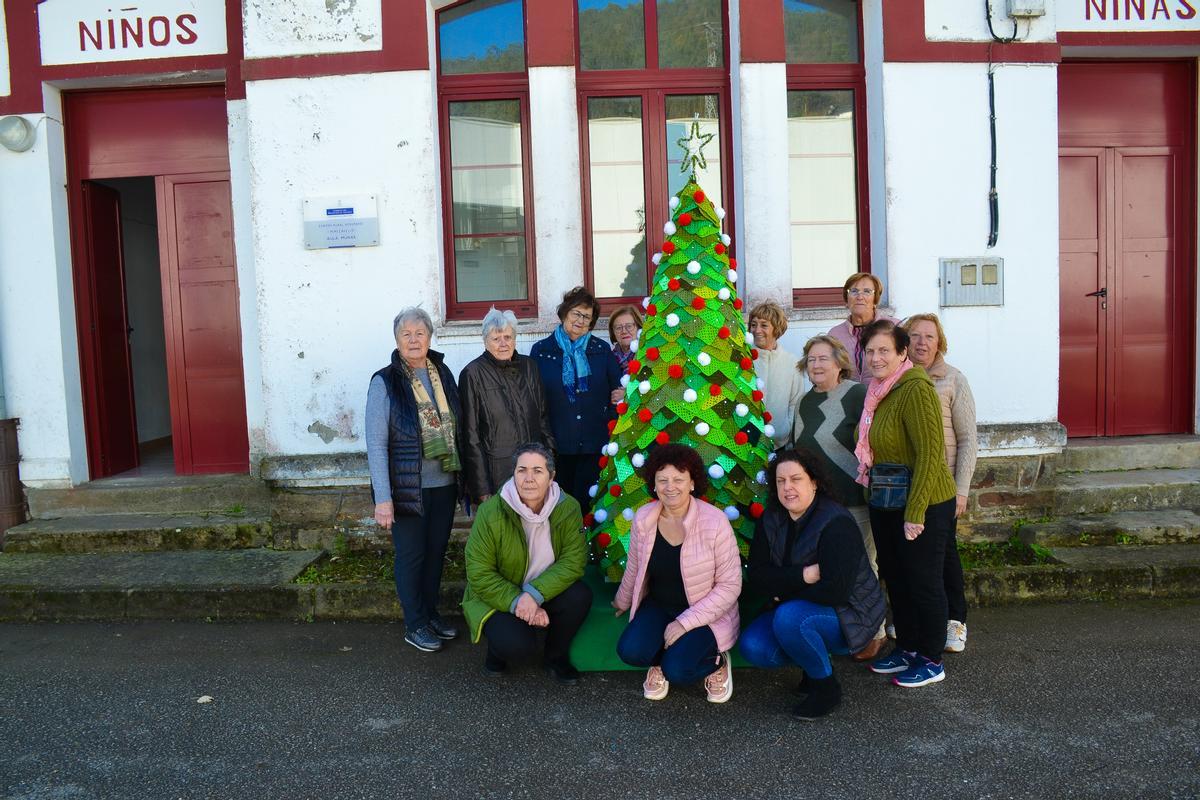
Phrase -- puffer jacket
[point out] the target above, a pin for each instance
(504, 407)
(709, 561)
(582, 426)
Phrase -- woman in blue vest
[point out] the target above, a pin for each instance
(583, 385)
(412, 424)
(807, 557)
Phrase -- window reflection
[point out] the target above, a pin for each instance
(690, 33)
(617, 196)
(612, 34)
(682, 110)
(482, 36)
(821, 31)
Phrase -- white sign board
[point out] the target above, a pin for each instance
(350, 221)
(87, 32)
(1126, 16)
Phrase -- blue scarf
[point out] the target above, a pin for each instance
(575, 367)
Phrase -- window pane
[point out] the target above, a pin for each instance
(488, 193)
(682, 110)
(690, 33)
(618, 196)
(612, 34)
(482, 36)
(821, 31)
(823, 188)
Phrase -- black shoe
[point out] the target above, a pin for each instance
(824, 695)
(493, 667)
(803, 687)
(563, 671)
(443, 630)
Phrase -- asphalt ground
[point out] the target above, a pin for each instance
(1089, 700)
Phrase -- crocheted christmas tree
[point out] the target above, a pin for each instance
(692, 381)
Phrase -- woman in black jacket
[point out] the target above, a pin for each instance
(504, 406)
(807, 556)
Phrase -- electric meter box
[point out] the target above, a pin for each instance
(972, 281)
(1027, 8)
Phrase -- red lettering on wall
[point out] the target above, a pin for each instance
(112, 34)
(129, 32)
(1099, 6)
(188, 36)
(165, 38)
(1138, 6)
(1186, 10)
(86, 34)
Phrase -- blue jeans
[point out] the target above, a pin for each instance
(420, 544)
(795, 632)
(692, 657)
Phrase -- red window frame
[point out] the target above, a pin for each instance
(484, 86)
(817, 77)
(652, 84)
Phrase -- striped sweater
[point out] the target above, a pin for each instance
(825, 424)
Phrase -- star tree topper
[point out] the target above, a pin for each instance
(694, 145)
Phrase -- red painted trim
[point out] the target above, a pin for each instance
(904, 40)
(405, 47)
(550, 33)
(1129, 39)
(149, 66)
(235, 85)
(20, 17)
(763, 38)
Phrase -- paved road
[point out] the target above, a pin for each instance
(1061, 701)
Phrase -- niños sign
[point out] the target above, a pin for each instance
(74, 32)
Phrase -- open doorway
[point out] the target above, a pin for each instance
(144, 317)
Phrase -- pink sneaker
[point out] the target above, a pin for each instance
(719, 684)
(656, 685)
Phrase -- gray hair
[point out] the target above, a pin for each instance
(412, 314)
(496, 320)
(538, 448)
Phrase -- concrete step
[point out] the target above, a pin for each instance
(1169, 570)
(1132, 452)
(1165, 526)
(127, 533)
(1131, 490)
(177, 494)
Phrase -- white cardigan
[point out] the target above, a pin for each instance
(782, 390)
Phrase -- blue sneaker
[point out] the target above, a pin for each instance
(443, 630)
(896, 661)
(424, 639)
(923, 672)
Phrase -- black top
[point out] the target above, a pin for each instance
(666, 581)
(837, 552)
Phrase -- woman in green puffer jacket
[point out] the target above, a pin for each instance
(525, 559)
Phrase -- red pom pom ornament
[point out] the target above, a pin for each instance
(724, 332)
(675, 371)
(740, 437)
(719, 248)
(615, 490)
(604, 540)
(652, 353)
(662, 437)
(685, 218)
(698, 196)
(645, 415)
(756, 510)
(698, 303)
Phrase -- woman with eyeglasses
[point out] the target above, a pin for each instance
(861, 293)
(582, 382)
(624, 324)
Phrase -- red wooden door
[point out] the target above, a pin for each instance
(200, 306)
(112, 427)
(1126, 216)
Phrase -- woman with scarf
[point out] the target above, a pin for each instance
(583, 385)
(861, 293)
(901, 461)
(412, 421)
(525, 559)
(624, 327)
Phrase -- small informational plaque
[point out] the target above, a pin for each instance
(346, 221)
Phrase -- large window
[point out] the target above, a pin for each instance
(647, 70)
(826, 147)
(483, 98)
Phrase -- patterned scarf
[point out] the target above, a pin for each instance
(437, 420)
(875, 394)
(575, 367)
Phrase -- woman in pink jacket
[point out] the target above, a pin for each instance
(682, 579)
(861, 293)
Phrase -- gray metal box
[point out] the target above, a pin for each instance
(1026, 8)
(972, 281)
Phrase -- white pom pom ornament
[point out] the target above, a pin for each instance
(741, 410)
(704, 359)
(689, 396)
(749, 337)
(702, 428)
(600, 515)
(645, 302)
(716, 471)
(724, 293)
(673, 203)
(669, 229)
(625, 379)
(693, 267)
(672, 320)
(761, 477)
(731, 275)
(725, 240)
(769, 430)
(592, 490)
(720, 212)
(638, 460)
(612, 449)
(657, 257)
(644, 387)
(627, 513)
(731, 513)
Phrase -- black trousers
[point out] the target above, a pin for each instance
(914, 574)
(577, 473)
(420, 544)
(511, 640)
(956, 589)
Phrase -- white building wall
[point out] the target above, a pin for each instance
(766, 247)
(311, 27)
(964, 21)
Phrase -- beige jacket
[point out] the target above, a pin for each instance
(958, 422)
(783, 386)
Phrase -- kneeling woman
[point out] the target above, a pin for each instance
(808, 557)
(525, 559)
(682, 581)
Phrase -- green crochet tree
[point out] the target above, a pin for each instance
(692, 381)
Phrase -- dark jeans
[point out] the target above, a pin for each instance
(420, 544)
(511, 640)
(914, 574)
(956, 590)
(575, 474)
(796, 632)
(692, 657)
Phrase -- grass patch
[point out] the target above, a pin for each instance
(371, 567)
(1013, 553)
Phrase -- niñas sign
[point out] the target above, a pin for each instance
(86, 32)
(1128, 15)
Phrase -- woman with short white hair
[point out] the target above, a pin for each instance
(504, 406)
(412, 423)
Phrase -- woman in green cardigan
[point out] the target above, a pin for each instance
(525, 559)
(901, 424)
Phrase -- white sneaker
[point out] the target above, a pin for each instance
(655, 686)
(956, 636)
(890, 630)
(719, 684)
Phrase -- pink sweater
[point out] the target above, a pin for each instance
(709, 561)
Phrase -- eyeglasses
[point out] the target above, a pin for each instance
(580, 316)
(627, 327)
(861, 292)
(819, 360)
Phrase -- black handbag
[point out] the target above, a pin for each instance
(888, 486)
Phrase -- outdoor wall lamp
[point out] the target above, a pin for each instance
(16, 134)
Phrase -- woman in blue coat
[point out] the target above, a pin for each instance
(583, 385)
